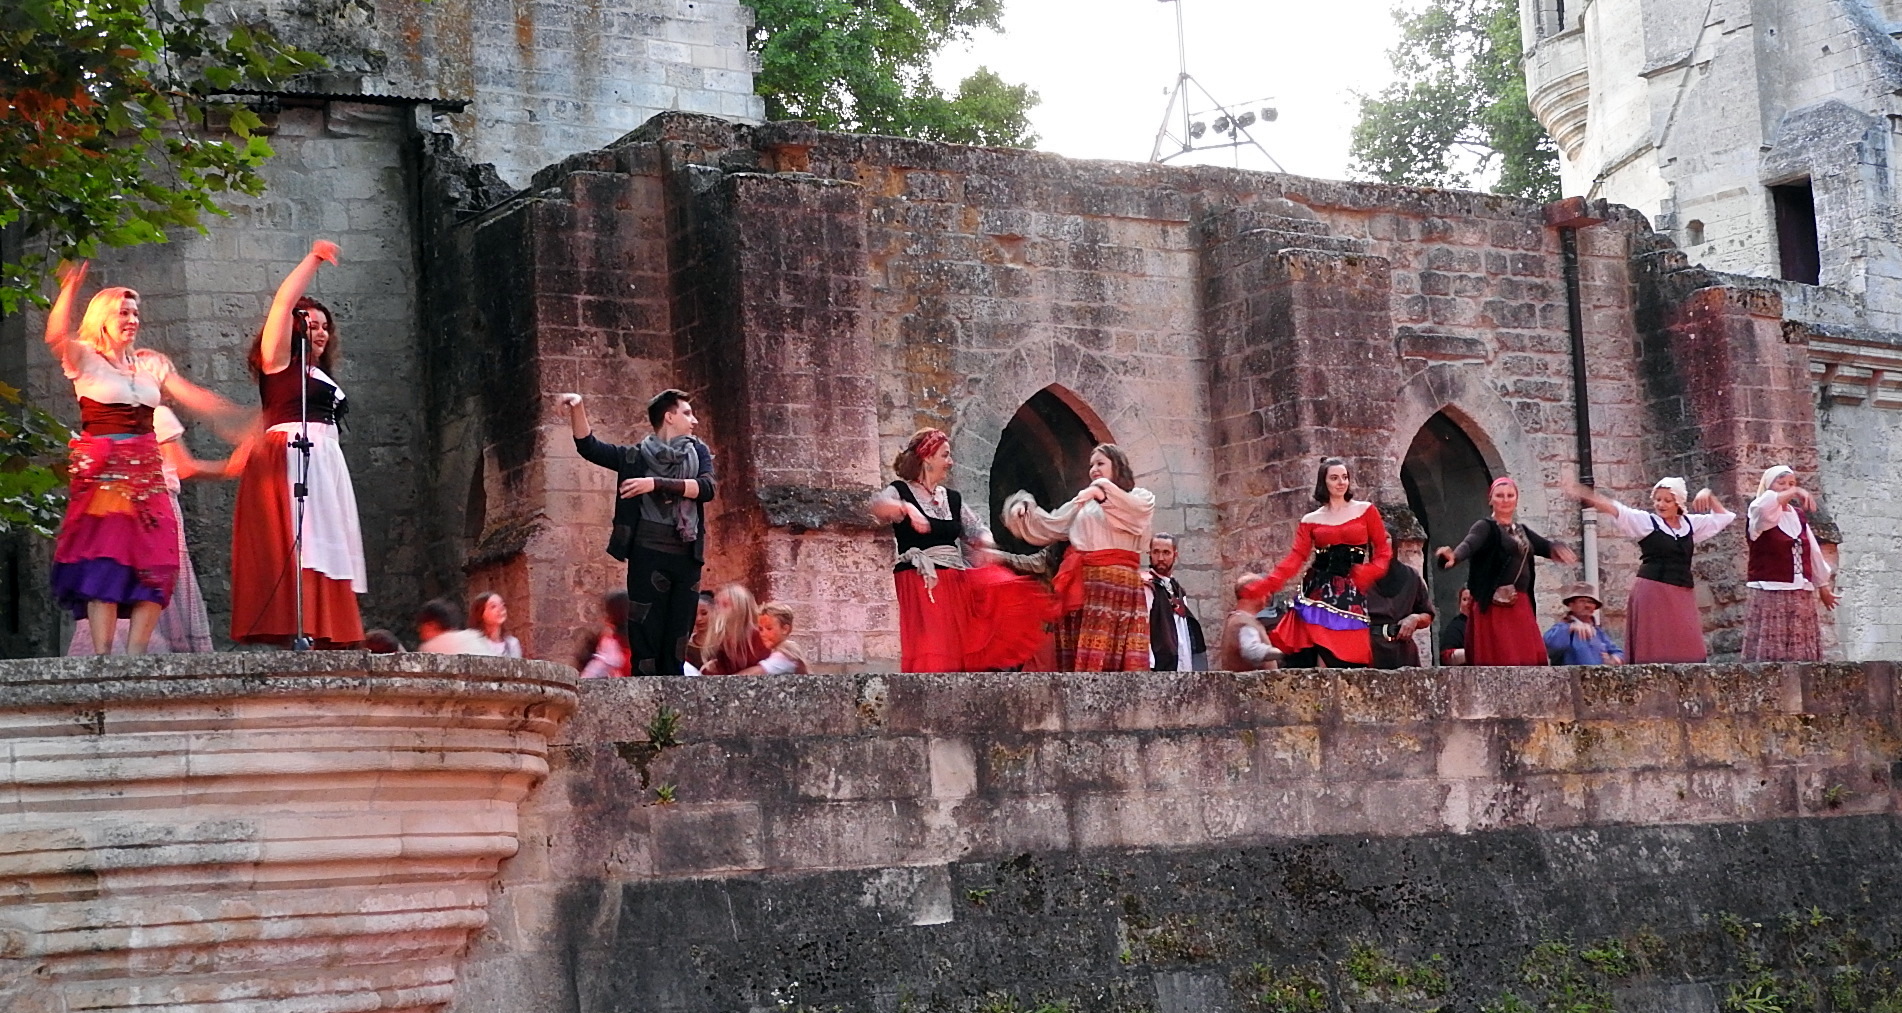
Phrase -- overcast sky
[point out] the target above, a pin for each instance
(1105, 67)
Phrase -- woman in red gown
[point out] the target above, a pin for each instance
(1503, 628)
(1344, 547)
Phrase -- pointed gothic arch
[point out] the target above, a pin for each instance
(1446, 476)
(1045, 451)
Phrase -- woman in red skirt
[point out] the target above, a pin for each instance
(953, 616)
(292, 359)
(118, 547)
(1504, 627)
(1662, 623)
(1343, 548)
(1105, 625)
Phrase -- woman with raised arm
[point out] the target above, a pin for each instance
(292, 360)
(1503, 628)
(1662, 623)
(957, 611)
(1787, 573)
(118, 546)
(1343, 547)
(1105, 624)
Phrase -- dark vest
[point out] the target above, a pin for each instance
(1665, 557)
(1773, 553)
(101, 418)
(278, 391)
(942, 532)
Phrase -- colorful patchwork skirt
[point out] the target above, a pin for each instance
(1331, 613)
(119, 540)
(1782, 626)
(183, 628)
(1110, 633)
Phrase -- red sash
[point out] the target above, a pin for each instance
(1069, 582)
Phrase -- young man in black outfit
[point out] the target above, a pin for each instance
(660, 523)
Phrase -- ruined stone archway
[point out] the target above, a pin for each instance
(1445, 477)
(1045, 451)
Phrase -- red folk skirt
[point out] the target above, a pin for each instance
(1782, 626)
(263, 597)
(1505, 635)
(119, 539)
(978, 620)
(1662, 624)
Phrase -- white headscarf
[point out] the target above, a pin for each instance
(1677, 488)
(1771, 474)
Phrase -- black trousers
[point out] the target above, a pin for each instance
(663, 592)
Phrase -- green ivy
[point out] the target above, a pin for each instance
(32, 466)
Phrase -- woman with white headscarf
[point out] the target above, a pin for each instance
(1787, 573)
(1662, 623)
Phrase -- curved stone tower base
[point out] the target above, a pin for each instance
(292, 833)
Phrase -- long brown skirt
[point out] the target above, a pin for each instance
(1782, 626)
(263, 591)
(1662, 624)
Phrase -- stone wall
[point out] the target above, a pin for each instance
(1138, 842)
(1861, 455)
(828, 294)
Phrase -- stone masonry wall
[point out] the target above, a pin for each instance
(856, 841)
(343, 171)
(1860, 454)
(829, 294)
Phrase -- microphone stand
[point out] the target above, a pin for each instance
(300, 490)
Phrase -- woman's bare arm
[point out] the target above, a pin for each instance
(275, 349)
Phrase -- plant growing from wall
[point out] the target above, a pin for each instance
(117, 125)
(1457, 111)
(865, 66)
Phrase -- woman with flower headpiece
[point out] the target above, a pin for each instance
(118, 551)
(1787, 573)
(957, 611)
(1503, 628)
(1105, 624)
(1662, 623)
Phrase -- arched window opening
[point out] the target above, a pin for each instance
(1045, 451)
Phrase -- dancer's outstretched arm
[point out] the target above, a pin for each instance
(276, 347)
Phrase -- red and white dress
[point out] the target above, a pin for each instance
(1105, 624)
(954, 617)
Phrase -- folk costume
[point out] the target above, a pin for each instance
(184, 627)
(661, 536)
(1105, 625)
(264, 564)
(1662, 623)
(1503, 628)
(119, 541)
(1245, 646)
(1786, 565)
(1399, 593)
(1330, 613)
(1175, 634)
(952, 616)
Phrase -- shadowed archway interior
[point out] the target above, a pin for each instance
(1446, 479)
(1045, 451)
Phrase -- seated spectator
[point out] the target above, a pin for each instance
(1453, 638)
(695, 654)
(439, 624)
(1245, 646)
(775, 626)
(1577, 639)
(734, 644)
(488, 613)
(605, 654)
(382, 642)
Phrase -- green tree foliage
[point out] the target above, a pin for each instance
(32, 480)
(116, 125)
(1457, 109)
(865, 66)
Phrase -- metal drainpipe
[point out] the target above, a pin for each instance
(1581, 399)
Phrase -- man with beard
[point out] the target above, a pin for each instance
(1175, 636)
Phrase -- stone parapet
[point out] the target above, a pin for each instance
(260, 831)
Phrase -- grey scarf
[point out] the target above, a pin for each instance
(679, 459)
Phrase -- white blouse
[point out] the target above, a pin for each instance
(1766, 511)
(1637, 523)
(1121, 521)
(94, 377)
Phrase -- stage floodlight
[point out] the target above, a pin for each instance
(1221, 124)
(1245, 120)
(1196, 130)
(1269, 113)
